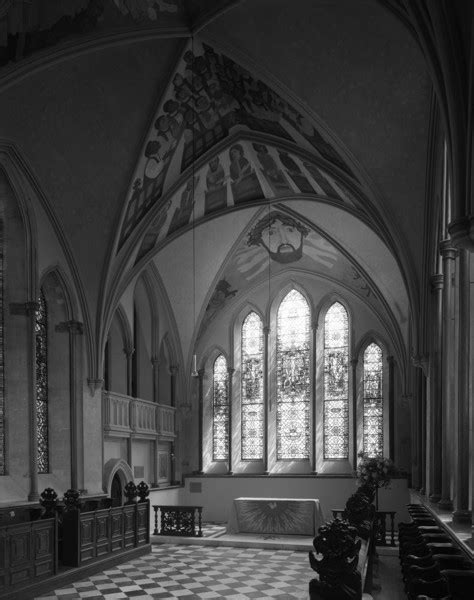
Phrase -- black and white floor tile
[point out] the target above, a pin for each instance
(199, 572)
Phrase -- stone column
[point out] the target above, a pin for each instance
(29, 309)
(391, 407)
(75, 329)
(354, 363)
(462, 513)
(200, 419)
(419, 429)
(230, 372)
(174, 374)
(423, 439)
(155, 366)
(437, 284)
(448, 253)
(415, 431)
(129, 352)
(266, 400)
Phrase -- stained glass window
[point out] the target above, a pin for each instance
(252, 388)
(2, 389)
(293, 377)
(41, 334)
(336, 383)
(221, 408)
(373, 401)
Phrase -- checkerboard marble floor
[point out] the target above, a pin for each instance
(199, 572)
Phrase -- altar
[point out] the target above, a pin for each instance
(276, 516)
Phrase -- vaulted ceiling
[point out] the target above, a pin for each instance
(151, 145)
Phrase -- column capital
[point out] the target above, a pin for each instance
(461, 231)
(437, 281)
(23, 308)
(129, 351)
(391, 360)
(94, 385)
(155, 361)
(174, 370)
(354, 362)
(201, 373)
(314, 325)
(230, 371)
(421, 361)
(447, 249)
(266, 330)
(74, 327)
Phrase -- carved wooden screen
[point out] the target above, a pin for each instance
(41, 334)
(293, 377)
(252, 388)
(221, 408)
(336, 383)
(373, 401)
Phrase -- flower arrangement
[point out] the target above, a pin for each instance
(375, 472)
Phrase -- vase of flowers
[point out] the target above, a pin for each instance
(375, 472)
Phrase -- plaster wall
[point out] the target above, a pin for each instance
(217, 493)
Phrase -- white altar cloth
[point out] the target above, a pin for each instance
(283, 516)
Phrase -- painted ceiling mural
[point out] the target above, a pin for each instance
(287, 242)
(246, 172)
(209, 98)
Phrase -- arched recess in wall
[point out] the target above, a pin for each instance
(119, 467)
(18, 294)
(118, 354)
(143, 326)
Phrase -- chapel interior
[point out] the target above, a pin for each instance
(235, 245)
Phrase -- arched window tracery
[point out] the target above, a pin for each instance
(221, 409)
(252, 388)
(41, 337)
(373, 401)
(336, 383)
(293, 377)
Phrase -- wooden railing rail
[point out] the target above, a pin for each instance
(383, 537)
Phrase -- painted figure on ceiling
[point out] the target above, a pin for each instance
(272, 171)
(216, 193)
(183, 212)
(281, 235)
(245, 183)
(295, 173)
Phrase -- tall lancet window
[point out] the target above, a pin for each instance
(293, 377)
(336, 383)
(252, 387)
(221, 409)
(373, 401)
(41, 334)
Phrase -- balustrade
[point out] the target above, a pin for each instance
(124, 414)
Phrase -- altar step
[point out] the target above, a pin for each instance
(214, 534)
